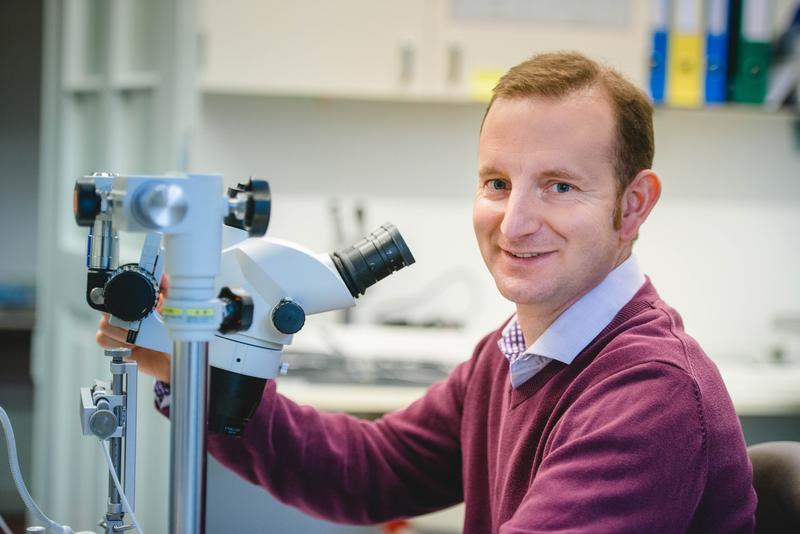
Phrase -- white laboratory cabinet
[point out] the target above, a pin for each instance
(451, 50)
(356, 48)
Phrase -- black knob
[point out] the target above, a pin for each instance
(288, 317)
(85, 203)
(130, 293)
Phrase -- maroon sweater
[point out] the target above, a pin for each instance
(638, 434)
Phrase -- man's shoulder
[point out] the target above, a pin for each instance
(647, 329)
(655, 337)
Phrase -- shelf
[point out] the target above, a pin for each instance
(393, 97)
(417, 97)
(730, 109)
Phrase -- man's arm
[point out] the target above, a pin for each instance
(629, 455)
(338, 467)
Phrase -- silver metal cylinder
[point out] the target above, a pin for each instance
(188, 413)
(103, 245)
(159, 206)
(114, 511)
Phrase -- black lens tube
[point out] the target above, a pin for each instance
(233, 399)
(372, 259)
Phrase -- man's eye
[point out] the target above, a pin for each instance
(561, 187)
(497, 184)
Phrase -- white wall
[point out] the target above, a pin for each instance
(721, 246)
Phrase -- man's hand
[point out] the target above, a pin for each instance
(151, 362)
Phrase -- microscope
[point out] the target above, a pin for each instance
(236, 299)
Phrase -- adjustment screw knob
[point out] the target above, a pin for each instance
(130, 293)
(103, 423)
(288, 317)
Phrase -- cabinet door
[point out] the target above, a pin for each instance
(477, 41)
(361, 48)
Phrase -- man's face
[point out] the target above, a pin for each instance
(543, 213)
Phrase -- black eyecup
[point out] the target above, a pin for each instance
(85, 202)
(233, 398)
(372, 259)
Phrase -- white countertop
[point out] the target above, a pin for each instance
(352, 398)
(763, 388)
(756, 389)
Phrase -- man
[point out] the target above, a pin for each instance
(590, 410)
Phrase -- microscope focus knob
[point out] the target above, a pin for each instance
(130, 293)
(288, 317)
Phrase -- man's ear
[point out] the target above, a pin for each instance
(637, 201)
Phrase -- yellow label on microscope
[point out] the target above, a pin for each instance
(200, 312)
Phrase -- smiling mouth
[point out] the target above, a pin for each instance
(526, 255)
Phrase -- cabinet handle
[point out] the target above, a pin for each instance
(454, 64)
(407, 54)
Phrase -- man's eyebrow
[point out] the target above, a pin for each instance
(488, 171)
(557, 173)
(562, 174)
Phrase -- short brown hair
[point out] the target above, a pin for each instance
(559, 74)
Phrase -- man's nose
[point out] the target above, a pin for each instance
(522, 217)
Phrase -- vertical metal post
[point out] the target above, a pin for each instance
(131, 370)
(115, 447)
(188, 412)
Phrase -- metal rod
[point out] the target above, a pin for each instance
(131, 396)
(188, 413)
(115, 510)
(115, 503)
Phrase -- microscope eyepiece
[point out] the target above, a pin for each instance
(372, 259)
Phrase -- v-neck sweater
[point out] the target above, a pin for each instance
(637, 434)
